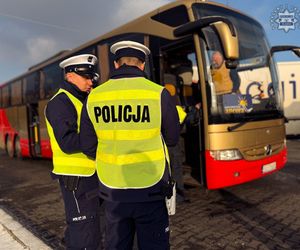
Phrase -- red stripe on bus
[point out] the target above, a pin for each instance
(46, 149)
(220, 174)
(24, 144)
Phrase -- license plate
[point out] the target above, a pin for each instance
(268, 167)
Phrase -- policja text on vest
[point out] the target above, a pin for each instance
(122, 113)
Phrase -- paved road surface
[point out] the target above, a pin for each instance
(263, 214)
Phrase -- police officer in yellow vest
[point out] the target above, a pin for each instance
(74, 170)
(126, 124)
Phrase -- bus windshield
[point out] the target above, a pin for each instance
(251, 91)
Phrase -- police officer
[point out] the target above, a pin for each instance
(74, 170)
(126, 124)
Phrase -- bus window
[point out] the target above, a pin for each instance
(30, 87)
(255, 88)
(6, 96)
(53, 77)
(16, 93)
(42, 85)
(167, 17)
(213, 48)
(88, 50)
(247, 92)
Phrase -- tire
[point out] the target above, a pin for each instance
(10, 147)
(18, 152)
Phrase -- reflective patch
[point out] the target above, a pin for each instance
(80, 218)
(167, 229)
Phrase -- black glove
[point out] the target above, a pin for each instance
(192, 117)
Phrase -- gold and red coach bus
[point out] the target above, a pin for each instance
(239, 134)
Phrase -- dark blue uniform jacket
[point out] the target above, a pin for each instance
(62, 116)
(170, 130)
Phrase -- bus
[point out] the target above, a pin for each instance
(234, 137)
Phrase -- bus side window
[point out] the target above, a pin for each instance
(16, 92)
(30, 87)
(6, 96)
(42, 85)
(52, 78)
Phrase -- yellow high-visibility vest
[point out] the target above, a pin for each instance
(77, 164)
(126, 114)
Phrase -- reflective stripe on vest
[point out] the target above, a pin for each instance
(126, 114)
(69, 164)
(181, 113)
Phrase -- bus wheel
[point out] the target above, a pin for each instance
(9, 147)
(18, 151)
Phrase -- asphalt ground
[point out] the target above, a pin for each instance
(262, 214)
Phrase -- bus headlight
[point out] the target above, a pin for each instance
(226, 155)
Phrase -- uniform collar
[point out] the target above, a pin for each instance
(74, 90)
(126, 71)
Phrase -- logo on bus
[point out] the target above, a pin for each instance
(285, 18)
(268, 150)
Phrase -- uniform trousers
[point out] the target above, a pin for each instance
(175, 154)
(82, 215)
(148, 219)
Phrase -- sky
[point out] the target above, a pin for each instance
(34, 30)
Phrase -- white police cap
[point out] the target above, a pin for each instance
(85, 59)
(129, 48)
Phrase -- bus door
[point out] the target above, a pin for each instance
(179, 75)
(34, 129)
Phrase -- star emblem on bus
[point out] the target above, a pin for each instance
(285, 18)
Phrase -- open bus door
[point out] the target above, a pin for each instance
(176, 60)
(33, 130)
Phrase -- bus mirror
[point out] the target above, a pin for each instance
(295, 49)
(231, 64)
(229, 42)
(225, 29)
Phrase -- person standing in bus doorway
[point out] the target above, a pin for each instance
(74, 170)
(225, 80)
(220, 74)
(127, 124)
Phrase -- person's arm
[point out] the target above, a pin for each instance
(88, 137)
(62, 116)
(170, 127)
(235, 78)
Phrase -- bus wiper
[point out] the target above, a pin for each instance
(234, 127)
(240, 124)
